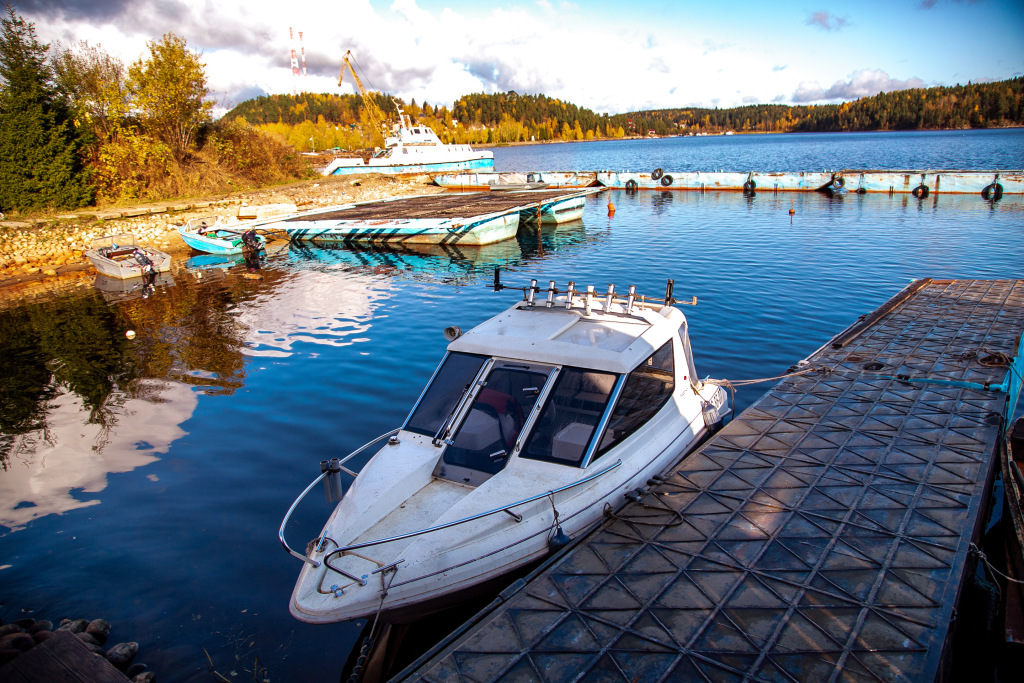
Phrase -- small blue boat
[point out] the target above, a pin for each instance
(205, 235)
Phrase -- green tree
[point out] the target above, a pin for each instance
(169, 92)
(96, 82)
(40, 147)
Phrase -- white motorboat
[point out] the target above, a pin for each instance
(119, 256)
(537, 423)
(413, 149)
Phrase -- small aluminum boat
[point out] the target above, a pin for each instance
(119, 256)
(537, 423)
(209, 236)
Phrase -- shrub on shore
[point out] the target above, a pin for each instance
(79, 127)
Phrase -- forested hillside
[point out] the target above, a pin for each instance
(317, 121)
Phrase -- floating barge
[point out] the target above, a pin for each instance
(822, 535)
(466, 219)
(490, 181)
(920, 183)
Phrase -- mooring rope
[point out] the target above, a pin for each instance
(980, 554)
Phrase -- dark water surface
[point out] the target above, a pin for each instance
(143, 480)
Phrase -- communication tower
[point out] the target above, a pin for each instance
(297, 74)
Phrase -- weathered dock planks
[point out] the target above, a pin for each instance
(63, 658)
(822, 535)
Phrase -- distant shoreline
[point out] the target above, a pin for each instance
(521, 143)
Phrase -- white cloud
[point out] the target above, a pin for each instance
(863, 83)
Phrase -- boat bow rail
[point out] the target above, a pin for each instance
(323, 475)
(508, 509)
(504, 508)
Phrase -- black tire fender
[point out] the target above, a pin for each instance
(656, 174)
(749, 186)
(666, 180)
(992, 191)
(631, 185)
(921, 191)
(838, 182)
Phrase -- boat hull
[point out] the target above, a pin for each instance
(357, 166)
(438, 568)
(129, 268)
(225, 245)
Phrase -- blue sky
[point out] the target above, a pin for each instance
(607, 56)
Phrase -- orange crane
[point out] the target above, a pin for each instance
(377, 119)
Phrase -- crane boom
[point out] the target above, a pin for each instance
(373, 112)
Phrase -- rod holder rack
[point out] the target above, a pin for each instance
(571, 293)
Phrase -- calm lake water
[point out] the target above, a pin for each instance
(143, 480)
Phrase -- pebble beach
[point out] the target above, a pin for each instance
(47, 253)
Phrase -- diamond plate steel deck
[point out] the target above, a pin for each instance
(822, 535)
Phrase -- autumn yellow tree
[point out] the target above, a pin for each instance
(170, 94)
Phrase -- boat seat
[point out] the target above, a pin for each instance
(570, 441)
(118, 253)
(509, 413)
(479, 430)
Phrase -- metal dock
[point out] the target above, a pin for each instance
(822, 535)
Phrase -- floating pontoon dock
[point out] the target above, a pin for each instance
(921, 183)
(822, 535)
(465, 219)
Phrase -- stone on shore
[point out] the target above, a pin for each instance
(122, 654)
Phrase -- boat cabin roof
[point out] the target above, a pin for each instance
(610, 340)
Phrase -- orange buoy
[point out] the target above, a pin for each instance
(611, 209)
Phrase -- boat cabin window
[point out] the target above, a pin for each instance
(567, 421)
(648, 387)
(491, 428)
(439, 399)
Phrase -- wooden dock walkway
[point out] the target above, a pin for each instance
(822, 535)
(62, 658)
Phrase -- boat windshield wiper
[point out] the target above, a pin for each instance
(451, 416)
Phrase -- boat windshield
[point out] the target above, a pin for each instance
(491, 428)
(450, 382)
(567, 421)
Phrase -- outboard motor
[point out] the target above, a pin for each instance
(148, 272)
(252, 251)
(716, 417)
(143, 260)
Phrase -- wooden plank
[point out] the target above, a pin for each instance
(63, 658)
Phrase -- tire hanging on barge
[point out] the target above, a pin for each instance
(992, 191)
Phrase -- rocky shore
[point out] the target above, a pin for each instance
(43, 252)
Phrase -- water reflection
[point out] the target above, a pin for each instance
(70, 452)
(115, 289)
